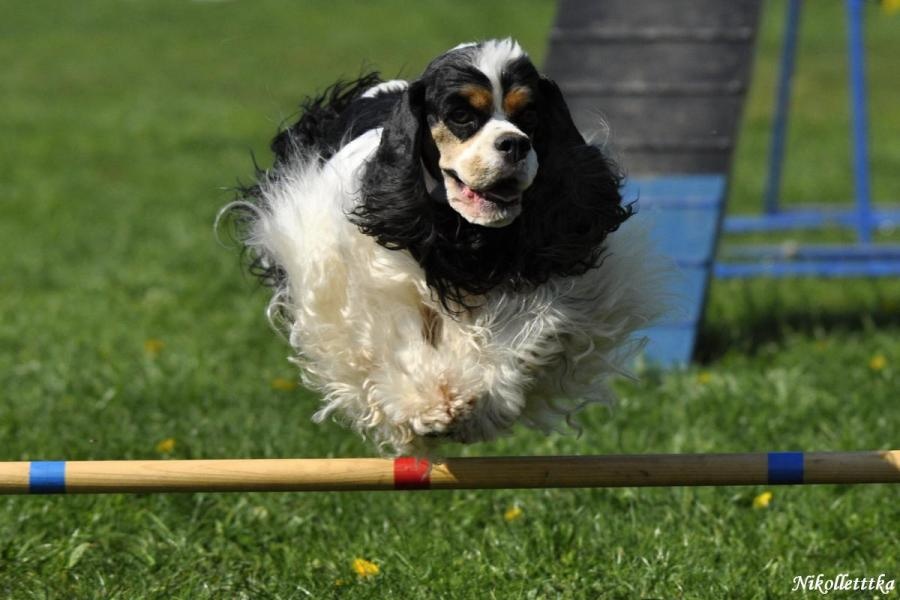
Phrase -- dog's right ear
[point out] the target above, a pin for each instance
(401, 141)
(394, 197)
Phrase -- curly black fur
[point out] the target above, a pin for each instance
(325, 121)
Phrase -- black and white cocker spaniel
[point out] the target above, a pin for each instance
(444, 253)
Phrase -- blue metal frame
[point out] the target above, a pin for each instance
(861, 259)
(782, 105)
(858, 104)
(831, 267)
(812, 217)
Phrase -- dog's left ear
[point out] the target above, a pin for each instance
(556, 130)
(575, 199)
(581, 171)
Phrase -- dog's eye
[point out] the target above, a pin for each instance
(461, 116)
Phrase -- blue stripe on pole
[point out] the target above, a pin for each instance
(785, 467)
(47, 477)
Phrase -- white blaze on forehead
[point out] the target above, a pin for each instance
(492, 58)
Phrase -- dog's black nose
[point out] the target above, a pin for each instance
(515, 147)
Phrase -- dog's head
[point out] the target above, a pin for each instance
(481, 106)
(483, 176)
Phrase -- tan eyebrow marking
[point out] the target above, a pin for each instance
(479, 97)
(516, 99)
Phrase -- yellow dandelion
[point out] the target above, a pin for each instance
(704, 377)
(763, 500)
(284, 385)
(153, 346)
(165, 446)
(877, 362)
(890, 6)
(339, 582)
(512, 513)
(364, 568)
(822, 344)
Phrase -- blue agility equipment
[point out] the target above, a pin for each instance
(845, 260)
(670, 79)
(684, 214)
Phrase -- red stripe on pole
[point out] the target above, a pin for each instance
(411, 473)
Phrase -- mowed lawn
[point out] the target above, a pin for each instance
(128, 331)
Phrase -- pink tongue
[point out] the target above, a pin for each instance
(471, 194)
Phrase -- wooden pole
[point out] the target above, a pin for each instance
(346, 474)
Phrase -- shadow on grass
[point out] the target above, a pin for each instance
(746, 317)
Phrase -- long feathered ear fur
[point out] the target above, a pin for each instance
(575, 200)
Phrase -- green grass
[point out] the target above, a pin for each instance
(122, 125)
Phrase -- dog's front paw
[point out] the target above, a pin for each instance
(449, 407)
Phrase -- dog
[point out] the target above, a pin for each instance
(444, 252)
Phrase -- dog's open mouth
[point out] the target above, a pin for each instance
(503, 193)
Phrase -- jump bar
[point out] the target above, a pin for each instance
(349, 474)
